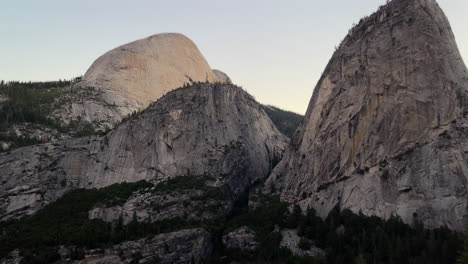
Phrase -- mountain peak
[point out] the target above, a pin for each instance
(372, 138)
(128, 78)
(146, 69)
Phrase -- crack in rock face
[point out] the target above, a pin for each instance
(385, 132)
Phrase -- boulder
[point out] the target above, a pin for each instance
(243, 238)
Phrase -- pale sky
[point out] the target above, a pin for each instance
(275, 49)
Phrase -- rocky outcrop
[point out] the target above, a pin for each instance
(243, 238)
(190, 204)
(216, 130)
(130, 77)
(3, 99)
(291, 241)
(386, 131)
(185, 246)
(222, 77)
(13, 258)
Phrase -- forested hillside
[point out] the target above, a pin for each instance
(344, 236)
(286, 121)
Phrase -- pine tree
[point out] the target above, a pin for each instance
(463, 257)
(293, 218)
(360, 259)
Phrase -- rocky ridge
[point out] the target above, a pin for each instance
(217, 130)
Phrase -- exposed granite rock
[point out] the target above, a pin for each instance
(79, 103)
(242, 238)
(5, 145)
(102, 259)
(189, 205)
(39, 132)
(130, 77)
(205, 129)
(185, 247)
(3, 99)
(222, 77)
(13, 258)
(290, 240)
(29, 131)
(386, 129)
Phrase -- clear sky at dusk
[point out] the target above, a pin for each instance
(275, 49)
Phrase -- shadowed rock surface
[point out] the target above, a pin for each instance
(291, 241)
(243, 238)
(185, 246)
(189, 198)
(216, 130)
(386, 129)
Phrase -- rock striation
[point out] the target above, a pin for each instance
(386, 130)
(216, 130)
(130, 77)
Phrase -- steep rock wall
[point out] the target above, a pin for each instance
(206, 129)
(386, 131)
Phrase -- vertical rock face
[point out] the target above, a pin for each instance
(216, 130)
(132, 76)
(386, 129)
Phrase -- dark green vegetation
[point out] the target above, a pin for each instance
(286, 121)
(195, 183)
(65, 222)
(19, 141)
(349, 237)
(262, 220)
(346, 237)
(28, 102)
(463, 257)
(32, 103)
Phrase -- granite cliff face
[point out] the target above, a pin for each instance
(214, 130)
(130, 77)
(386, 130)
